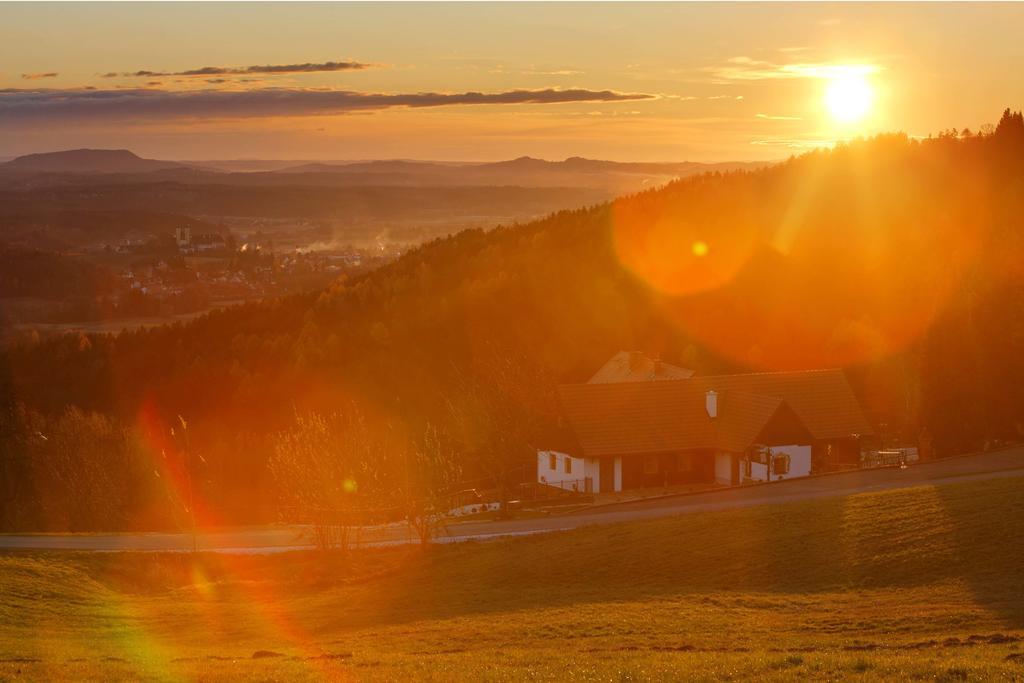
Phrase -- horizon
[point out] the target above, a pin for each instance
(695, 82)
(339, 161)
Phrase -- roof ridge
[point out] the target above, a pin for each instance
(696, 378)
(633, 417)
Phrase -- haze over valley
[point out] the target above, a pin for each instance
(94, 238)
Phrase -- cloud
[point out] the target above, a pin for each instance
(795, 143)
(769, 117)
(144, 103)
(247, 70)
(36, 77)
(134, 74)
(747, 69)
(555, 72)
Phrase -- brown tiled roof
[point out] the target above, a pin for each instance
(648, 417)
(634, 366)
(741, 418)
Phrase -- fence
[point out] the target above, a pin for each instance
(536, 490)
(467, 497)
(890, 456)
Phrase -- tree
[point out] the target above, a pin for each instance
(1010, 124)
(87, 471)
(181, 434)
(432, 470)
(500, 414)
(322, 468)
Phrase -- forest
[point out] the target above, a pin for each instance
(900, 260)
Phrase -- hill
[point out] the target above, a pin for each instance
(124, 167)
(896, 259)
(347, 205)
(525, 171)
(391, 166)
(51, 225)
(919, 583)
(88, 161)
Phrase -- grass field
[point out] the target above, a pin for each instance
(924, 583)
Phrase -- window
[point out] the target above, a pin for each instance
(568, 465)
(553, 459)
(759, 454)
(651, 464)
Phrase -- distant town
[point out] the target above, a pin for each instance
(164, 276)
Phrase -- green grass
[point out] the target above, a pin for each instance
(924, 583)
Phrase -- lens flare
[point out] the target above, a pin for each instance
(677, 248)
(830, 261)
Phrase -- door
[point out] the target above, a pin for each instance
(607, 475)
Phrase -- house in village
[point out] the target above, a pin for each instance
(725, 429)
(636, 366)
(575, 473)
(199, 243)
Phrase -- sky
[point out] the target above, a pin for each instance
(489, 81)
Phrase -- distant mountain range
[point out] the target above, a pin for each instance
(88, 161)
(611, 176)
(520, 165)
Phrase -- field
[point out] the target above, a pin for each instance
(924, 583)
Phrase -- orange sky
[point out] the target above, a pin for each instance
(476, 81)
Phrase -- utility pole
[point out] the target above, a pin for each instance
(191, 485)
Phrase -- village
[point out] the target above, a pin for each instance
(154, 277)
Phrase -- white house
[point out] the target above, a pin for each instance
(786, 462)
(636, 366)
(723, 429)
(575, 474)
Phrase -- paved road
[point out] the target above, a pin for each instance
(1001, 464)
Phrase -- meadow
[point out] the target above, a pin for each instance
(917, 584)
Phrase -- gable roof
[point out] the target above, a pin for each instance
(650, 417)
(634, 366)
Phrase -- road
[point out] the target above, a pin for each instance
(1000, 464)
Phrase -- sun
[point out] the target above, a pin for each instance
(848, 98)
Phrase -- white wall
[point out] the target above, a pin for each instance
(554, 476)
(581, 468)
(799, 464)
(592, 467)
(472, 509)
(723, 468)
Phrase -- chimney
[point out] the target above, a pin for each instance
(711, 403)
